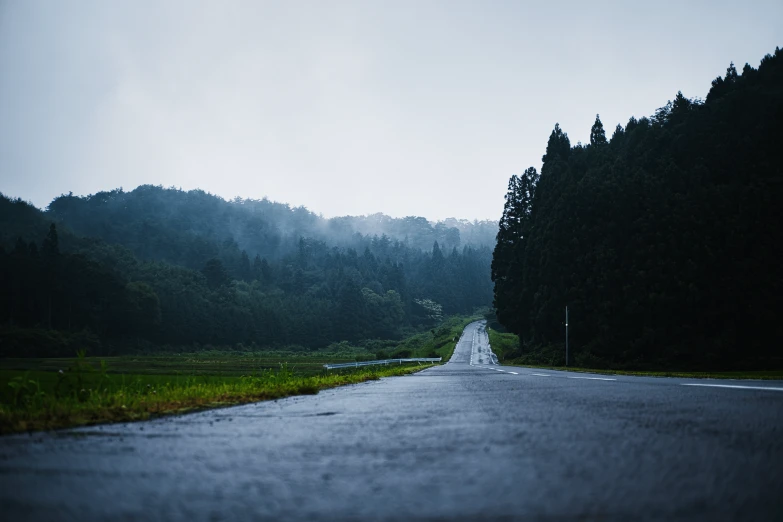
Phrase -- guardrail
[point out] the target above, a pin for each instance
(383, 361)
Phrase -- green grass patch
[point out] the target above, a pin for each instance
(438, 342)
(215, 363)
(40, 400)
(503, 344)
(50, 393)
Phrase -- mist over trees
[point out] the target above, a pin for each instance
(122, 271)
(188, 228)
(664, 241)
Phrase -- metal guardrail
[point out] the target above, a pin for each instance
(383, 361)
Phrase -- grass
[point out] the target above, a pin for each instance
(503, 344)
(506, 344)
(438, 342)
(51, 393)
(47, 400)
(214, 363)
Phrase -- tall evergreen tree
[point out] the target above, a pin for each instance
(597, 134)
(508, 256)
(51, 244)
(215, 273)
(50, 250)
(558, 146)
(245, 271)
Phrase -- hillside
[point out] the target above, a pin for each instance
(161, 268)
(190, 227)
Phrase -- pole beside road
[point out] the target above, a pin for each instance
(566, 336)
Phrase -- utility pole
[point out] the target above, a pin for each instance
(566, 336)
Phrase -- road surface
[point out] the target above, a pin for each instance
(460, 441)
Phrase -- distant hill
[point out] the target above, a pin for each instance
(155, 268)
(190, 227)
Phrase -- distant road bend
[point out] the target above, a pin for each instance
(468, 440)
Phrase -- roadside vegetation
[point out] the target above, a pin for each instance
(82, 396)
(51, 393)
(506, 347)
(438, 342)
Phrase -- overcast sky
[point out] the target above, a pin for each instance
(403, 107)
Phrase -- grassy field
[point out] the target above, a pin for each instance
(506, 344)
(39, 394)
(216, 363)
(48, 400)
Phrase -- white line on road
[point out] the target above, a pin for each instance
(769, 388)
(593, 378)
(540, 374)
(513, 373)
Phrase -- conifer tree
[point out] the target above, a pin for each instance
(245, 272)
(51, 244)
(597, 134)
(50, 250)
(558, 146)
(509, 253)
(215, 273)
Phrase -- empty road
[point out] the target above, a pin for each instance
(468, 440)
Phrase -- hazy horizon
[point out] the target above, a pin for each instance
(346, 108)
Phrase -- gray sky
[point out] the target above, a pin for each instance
(402, 107)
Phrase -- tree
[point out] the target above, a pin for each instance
(143, 308)
(597, 134)
(51, 245)
(50, 250)
(558, 146)
(245, 272)
(351, 312)
(618, 135)
(432, 311)
(215, 273)
(438, 261)
(508, 256)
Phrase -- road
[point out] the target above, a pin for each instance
(459, 441)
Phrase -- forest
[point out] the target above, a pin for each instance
(161, 269)
(663, 240)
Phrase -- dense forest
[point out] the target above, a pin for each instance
(664, 240)
(188, 228)
(159, 268)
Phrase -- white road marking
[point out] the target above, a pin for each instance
(769, 388)
(540, 374)
(513, 373)
(593, 378)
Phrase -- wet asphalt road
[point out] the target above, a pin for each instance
(457, 442)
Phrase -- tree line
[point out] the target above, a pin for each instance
(152, 277)
(663, 240)
(190, 227)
